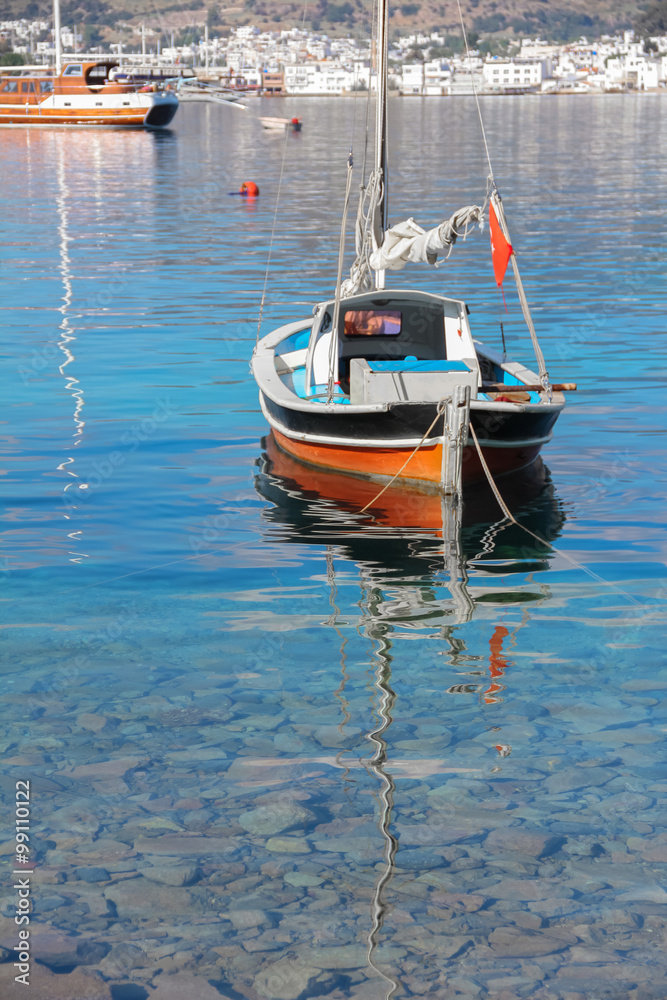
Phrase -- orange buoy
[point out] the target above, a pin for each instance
(249, 189)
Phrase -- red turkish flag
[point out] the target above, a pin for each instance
(501, 250)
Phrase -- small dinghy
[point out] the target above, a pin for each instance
(282, 124)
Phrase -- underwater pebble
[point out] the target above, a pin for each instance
(284, 980)
(275, 818)
(47, 903)
(449, 945)
(528, 889)
(134, 898)
(92, 874)
(517, 840)
(116, 768)
(515, 942)
(57, 950)
(76, 985)
(174, 845)
(572, 778)
(243, 919)
(122, 959)
(468, 903)
(419, 859)
(173, 874)
(184, 986)
(302, 879)
(288, 845)
(91, 721)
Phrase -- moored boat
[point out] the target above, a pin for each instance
(389, 383)
(84, 93)
(399, 352)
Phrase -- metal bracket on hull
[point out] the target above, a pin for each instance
(455, 438)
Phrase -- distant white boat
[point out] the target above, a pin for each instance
(196, 90)
(295, 124)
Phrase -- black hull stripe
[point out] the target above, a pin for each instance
(405, 425)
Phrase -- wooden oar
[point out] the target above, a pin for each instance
(503, 387)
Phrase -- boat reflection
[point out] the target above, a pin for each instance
(410, 538)
(407, 548)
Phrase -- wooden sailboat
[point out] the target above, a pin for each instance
(81, 92)
(388, 383)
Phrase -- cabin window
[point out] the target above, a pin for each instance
(96, 76)
(74, 69)
(11, 87)
(46, 86)
(28, 87)
(372, 323)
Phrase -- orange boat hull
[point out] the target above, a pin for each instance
(424, 467)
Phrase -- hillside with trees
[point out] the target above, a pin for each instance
(554, 20)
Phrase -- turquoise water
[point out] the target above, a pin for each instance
(276, 748)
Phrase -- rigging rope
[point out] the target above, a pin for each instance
(474, 90)
(273, 230)
(494, 196)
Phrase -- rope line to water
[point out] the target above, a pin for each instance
(273, 230)
(439, 413)
(510, 517)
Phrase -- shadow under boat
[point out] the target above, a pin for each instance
(404, 528)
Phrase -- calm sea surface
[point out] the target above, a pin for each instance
(277, 749)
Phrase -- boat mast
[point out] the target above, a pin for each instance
(381, 119)
(56, 36)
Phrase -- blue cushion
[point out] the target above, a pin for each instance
(318, 391)
(418, 366)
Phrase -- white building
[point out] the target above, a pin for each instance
(632, 72)
(322, 78)
(513, 75)
(429, 79)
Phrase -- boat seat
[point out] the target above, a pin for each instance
(317, 391)
(407, 380)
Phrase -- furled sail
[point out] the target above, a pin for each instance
(407, 241)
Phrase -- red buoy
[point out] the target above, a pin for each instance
(249, 189)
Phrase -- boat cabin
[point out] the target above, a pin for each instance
(76, 78)
(392, 345)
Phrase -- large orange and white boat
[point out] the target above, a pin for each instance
(82, 93)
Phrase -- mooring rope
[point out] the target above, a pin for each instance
(440, 411)
(510, 517)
